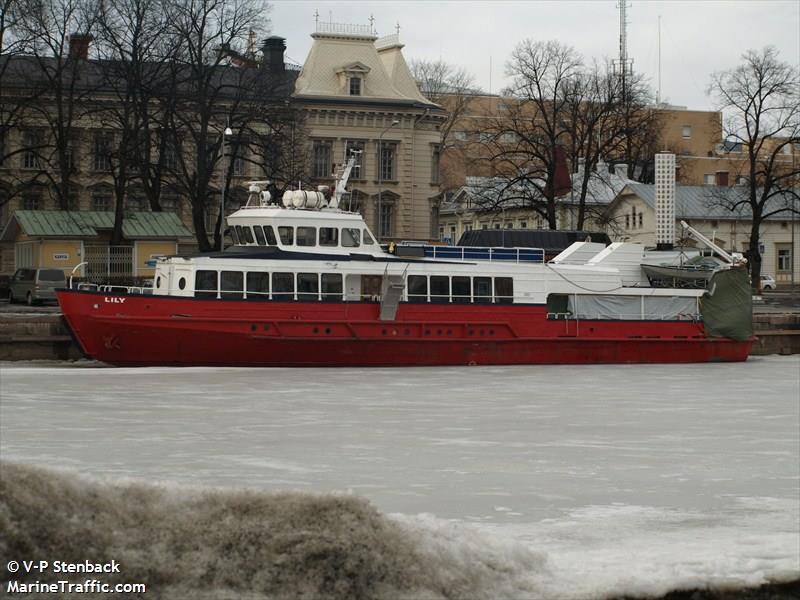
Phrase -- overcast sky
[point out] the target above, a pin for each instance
(697, 38)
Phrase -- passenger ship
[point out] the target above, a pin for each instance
(306, 284)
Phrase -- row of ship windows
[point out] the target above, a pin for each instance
(350, 237)
(237, 285)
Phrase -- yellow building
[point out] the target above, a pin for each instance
(77, 242)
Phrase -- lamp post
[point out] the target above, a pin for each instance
(380, 174)
(225, 135)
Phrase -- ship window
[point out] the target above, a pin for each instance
(368, 238)
(158, 281)
(262, 241)
(461, 290)
(328, 236)
(417, 288)
(306, 236)
(440, 288)
(283, 285)
(503, 290)
(307, 284)
(205, 284)
(482, 289)
(248, 235)
(287, 235)
(351, 237)
(232, 285)
(270, 235)
(182, 283)
(332, 287)
(257, 286)
(234, 237)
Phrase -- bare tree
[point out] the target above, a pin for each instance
(526, 144)
(132, 40)
(59, 83)
(449, 86)
(761, 102)
(208, 93)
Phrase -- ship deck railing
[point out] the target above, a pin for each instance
(114, 289)
(491, 254)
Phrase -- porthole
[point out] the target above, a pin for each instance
(182, 282)
(158, 281)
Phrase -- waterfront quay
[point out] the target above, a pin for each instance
(40, 333)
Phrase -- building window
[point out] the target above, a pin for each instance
(641, 220)
(31, 142)
(627, 221)
(169, 203)
(485, 137)
(385, 228)
(134, 203)
(354, 148)
(169, 156)
(784, 257)
(355, 86)
(101, 201)
(32, 202)
(686, 131)
(322, 159)
(461, 136)
(435, 156)
(239, 166)
(508, 137)
(709, 179)
(102, 152)
(386, 156)
(72, 157)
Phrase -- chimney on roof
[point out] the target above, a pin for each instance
(79, 46)
(273, 48)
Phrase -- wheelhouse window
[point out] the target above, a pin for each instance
(245, 235)
(368, 238)
(234, 236)
(270, 235)
(306, 236)
(417, 288)
(328, 236)
(503, 290)
(283, 286)
(440, 289)
(257, 286)
(262, 241)
(351, 237)
(332, 287)
(307, 286)
(205, 284)
(232, 285)
(286, 234)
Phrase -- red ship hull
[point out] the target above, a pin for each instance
(136, 330)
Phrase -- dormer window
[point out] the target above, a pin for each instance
(352, 79)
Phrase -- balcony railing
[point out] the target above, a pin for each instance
(345, 28)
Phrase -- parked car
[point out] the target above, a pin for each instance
(36, 285)
(768, 282)
(5, 289)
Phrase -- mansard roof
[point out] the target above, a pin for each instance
(387, 77)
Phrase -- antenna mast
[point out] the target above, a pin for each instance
(658, 93)
(623, 65)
